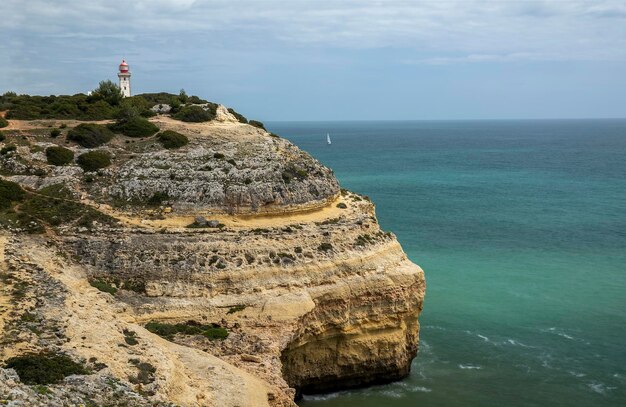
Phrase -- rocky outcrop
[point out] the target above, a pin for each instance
(313, 294)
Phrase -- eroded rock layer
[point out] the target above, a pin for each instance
(238, 232)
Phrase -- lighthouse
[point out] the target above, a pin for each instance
(124, 75)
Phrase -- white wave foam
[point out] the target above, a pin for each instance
(576, 374)
(420, 389)
(517, 343)
(484, 338)
(393, 393)
(600, 388)
(320, 397)
(471, 367)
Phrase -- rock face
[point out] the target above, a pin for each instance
(239, 229)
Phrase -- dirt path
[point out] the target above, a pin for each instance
(46, 123)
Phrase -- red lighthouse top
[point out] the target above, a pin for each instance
(124, 67)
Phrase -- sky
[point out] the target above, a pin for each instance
(331, 59)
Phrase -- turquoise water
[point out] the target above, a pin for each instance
(521, 229)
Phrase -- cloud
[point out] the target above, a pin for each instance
(576, 30)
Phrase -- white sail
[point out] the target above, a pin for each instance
(328, 138)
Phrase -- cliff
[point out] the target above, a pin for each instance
(230, 271)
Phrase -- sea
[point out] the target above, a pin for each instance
(520, 227)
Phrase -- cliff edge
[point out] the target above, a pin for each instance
(229, 271)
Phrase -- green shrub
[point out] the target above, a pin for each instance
(90, 135)
(135, 127)
(236, 308)
(342, 205)
(257, 123)
(54, 133)
(103, 286)
(59, 156)
(168, 331)
(3, 122)
(130, 337)
(219, 156)
(239, 117)
(193, 114)
(10, 192)
(108, 92)
(44, 368)
(145, 374)
(171, 139)
(2, 136)
(7, 149)
(94, 160)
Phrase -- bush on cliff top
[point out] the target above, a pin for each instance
(171, 139)
(90, 135)
(257, 124)
(135, 127)
(59, 156)
(3, 122)
(94, 160)
(10, 192)
(44, 368)
(194, 114)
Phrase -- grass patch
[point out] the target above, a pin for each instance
(44, 368)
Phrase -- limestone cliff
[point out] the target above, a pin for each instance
(313, 295)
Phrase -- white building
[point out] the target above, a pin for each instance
(124, 76)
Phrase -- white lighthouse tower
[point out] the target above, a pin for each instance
(124, 76)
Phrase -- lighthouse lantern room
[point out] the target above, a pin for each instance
(124, 75)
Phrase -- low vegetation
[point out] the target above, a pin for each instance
(239, 117)
(257, 123)
(94, 160)
(145, 374)
(172, 140)
(59, 156)
(293, 172)
(10, 192)
(168, 331)
(194, 114)
(103, 286)
(236, 308)
(3, 122)
(44, 368)
(52, 206)
(90, 135)
(136, 126)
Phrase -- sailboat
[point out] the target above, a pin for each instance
(328, 138)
